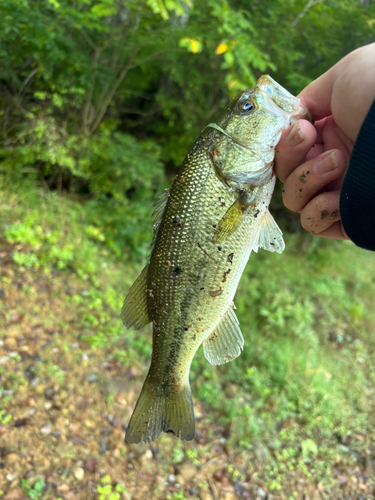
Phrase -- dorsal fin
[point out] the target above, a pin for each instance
(157, 214)
(226, 341)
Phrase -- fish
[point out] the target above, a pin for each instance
(205, 228)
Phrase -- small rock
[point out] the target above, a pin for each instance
(146, 457)
(15, 318)
(180, 479)
(63, 488)
(79, 473)
(69, 495)
(91, 464)
(91, 377)
(103, 446)
(205, 494)
(12, 458)
(3, 430)
(48, 405)
(4, 451)
(229, 496)
(46, 429)
(188, 471)
(261, 494)
(16, 494)
(171, 479)
(10, 343)
(21, 422)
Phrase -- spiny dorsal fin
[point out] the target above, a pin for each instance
(226, 341)
(270, 236)
(134, 312)
(157, 215)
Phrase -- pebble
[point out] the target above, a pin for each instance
(16, 494)
(79, 473)
(63, 488)
(10, 343)
(12, 458)
(188, 471)
(205, 494)
(171, 479)
(91, 377)
(261, 494)
(46, 429)
(147, 457)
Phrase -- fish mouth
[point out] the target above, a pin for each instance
(303, 114)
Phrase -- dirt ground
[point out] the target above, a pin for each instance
(69, 407)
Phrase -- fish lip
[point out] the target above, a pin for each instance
(303, 114)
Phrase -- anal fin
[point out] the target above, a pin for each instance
(134, 312)
(226, 342)
(270, 236)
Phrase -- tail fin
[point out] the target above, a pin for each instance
(156, 412)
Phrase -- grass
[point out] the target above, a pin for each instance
(304, 384)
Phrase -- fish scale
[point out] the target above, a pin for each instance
(207, 224)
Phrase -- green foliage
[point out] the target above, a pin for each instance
(34, 491)
(99, 101)
(108, 492)
(5, 418)
(84, 85)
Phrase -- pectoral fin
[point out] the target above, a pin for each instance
(226, 342)
(270, 236)
(233, 217)
(134, 312)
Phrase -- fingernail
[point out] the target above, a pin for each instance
(295, 136)
(326, 163)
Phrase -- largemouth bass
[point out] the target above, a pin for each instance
(205, 228)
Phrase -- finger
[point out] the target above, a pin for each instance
(317, 96)
(322, 216)
(293, 146)
(316, 150)
(334, 232)
(306, 180)
(344, 83)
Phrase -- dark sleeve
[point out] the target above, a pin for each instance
(357, 200)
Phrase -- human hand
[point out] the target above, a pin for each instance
(312, 160)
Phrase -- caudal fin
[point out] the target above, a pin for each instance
(156, 412)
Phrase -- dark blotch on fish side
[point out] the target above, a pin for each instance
(230, 257)
(177, 271)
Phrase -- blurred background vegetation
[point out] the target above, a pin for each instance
(99, 103)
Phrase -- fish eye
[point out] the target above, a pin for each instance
(247, 106)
